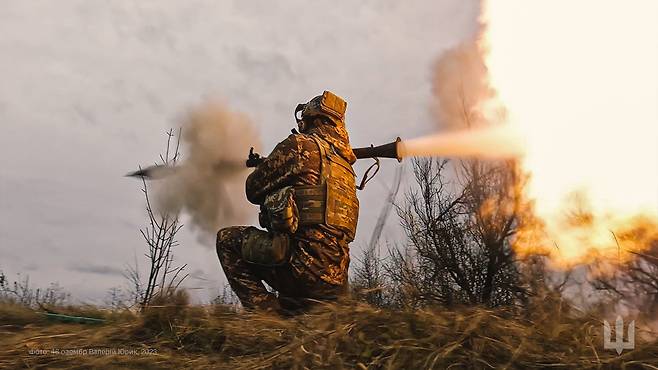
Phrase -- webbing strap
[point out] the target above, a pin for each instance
(323, 157)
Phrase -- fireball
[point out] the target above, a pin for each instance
(579, 82)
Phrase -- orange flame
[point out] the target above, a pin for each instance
(579, 80)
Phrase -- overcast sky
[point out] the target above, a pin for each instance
(87, 89)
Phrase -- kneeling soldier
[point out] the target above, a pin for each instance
(307, 195)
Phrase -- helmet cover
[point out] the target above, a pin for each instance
(327, 105)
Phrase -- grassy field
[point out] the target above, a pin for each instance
(345, 335)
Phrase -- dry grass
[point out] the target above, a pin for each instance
(172, 334)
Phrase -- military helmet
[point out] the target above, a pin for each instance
(327, 105)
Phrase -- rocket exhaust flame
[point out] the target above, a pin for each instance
(579, 83)
(487, 143)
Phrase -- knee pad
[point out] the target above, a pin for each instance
(263, 248)
(230, 238)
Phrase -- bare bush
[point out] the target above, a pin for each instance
(117, 299)
(634, 283)
(20, 292)
(370, 283)
(227, 297)
(459, 235)
(160, 237)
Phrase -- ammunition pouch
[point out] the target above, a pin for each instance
(267, 249)
(279, 213)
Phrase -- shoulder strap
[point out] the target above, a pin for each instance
(323, 156)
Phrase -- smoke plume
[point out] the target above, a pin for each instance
(208, 183)
(460, 88)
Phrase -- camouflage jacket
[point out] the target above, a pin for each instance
(321, 251)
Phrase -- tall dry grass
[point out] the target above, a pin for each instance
(174, 334)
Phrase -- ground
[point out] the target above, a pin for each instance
(347, 335)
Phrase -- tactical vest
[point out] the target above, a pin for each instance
(333, 201)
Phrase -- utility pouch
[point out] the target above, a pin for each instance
(279, 211)
(266, 249)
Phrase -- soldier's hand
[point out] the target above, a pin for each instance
(254, 159)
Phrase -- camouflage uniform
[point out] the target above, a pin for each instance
(319, 253)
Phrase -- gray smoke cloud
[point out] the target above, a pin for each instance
(461, 90)
(208, 183)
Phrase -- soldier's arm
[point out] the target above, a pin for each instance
(279, 169)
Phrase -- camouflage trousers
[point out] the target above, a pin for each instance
(296, 287)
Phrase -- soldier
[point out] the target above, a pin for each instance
(307, 195)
